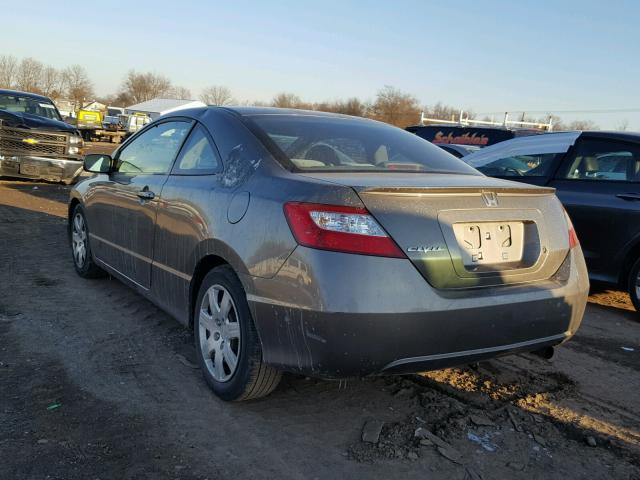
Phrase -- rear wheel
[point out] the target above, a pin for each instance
(227, 344)
(80, 247)
(634, 285)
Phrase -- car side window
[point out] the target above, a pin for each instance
(154, 150)
(529, 165)
(594, 159)
(198, 155)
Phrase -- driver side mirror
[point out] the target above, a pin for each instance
(98, 163)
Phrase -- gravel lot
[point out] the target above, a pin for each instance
(97, 383)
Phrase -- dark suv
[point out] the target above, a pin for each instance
(597, 178)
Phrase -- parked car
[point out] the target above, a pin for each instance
(597, 177)
(325, 245)
(34, 141)
(459, 151)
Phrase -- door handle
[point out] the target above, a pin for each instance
(146, 194)
(629, 196)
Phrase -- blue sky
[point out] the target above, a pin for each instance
(489, 56)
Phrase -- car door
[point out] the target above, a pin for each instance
(599, 185)
(187, 215)
(123, 208)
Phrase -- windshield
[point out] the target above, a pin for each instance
(20, 104)
(319, 143)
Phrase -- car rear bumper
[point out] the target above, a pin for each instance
(352, 315)
(45, 168)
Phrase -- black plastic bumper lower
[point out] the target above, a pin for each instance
(338, 345)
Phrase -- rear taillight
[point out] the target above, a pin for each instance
(340, 229)
(573, 238)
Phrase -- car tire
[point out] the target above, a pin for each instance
(80, 248)
(227, 344)
(633, 285)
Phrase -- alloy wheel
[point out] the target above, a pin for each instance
(79, 240)
(219, 333)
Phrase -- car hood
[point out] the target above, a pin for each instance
(26, 120)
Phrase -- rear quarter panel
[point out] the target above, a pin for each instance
(236, 215)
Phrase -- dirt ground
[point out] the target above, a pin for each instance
(97, 383)
(99, 147)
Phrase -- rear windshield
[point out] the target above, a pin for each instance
(312, 143)
(19, 104)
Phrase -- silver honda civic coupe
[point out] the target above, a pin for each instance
(325, 245)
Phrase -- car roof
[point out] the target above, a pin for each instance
(246, 111)
(557, 142)
(552, 142)
(34, 96)
(199, 112)
(612, 135)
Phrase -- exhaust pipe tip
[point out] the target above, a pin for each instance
(546, 352)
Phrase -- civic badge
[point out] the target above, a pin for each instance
(426, 248)
(490, 199)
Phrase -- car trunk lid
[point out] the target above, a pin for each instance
(465, 231)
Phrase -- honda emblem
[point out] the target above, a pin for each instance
(490, 199)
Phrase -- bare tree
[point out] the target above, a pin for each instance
(121, 99)
(287, 100)
(78, 85)
(442, 112)
(582, 125)
(217, 95)
(180, 93)
(622, 125)
(53, 83)
(29, 75)
(395, 107)
(140, 87)
(352, 106)
(8, 71)
(255, 103)
(556, 122)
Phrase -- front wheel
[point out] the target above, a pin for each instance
(634, 285)
(227, 344)
(80, 247)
